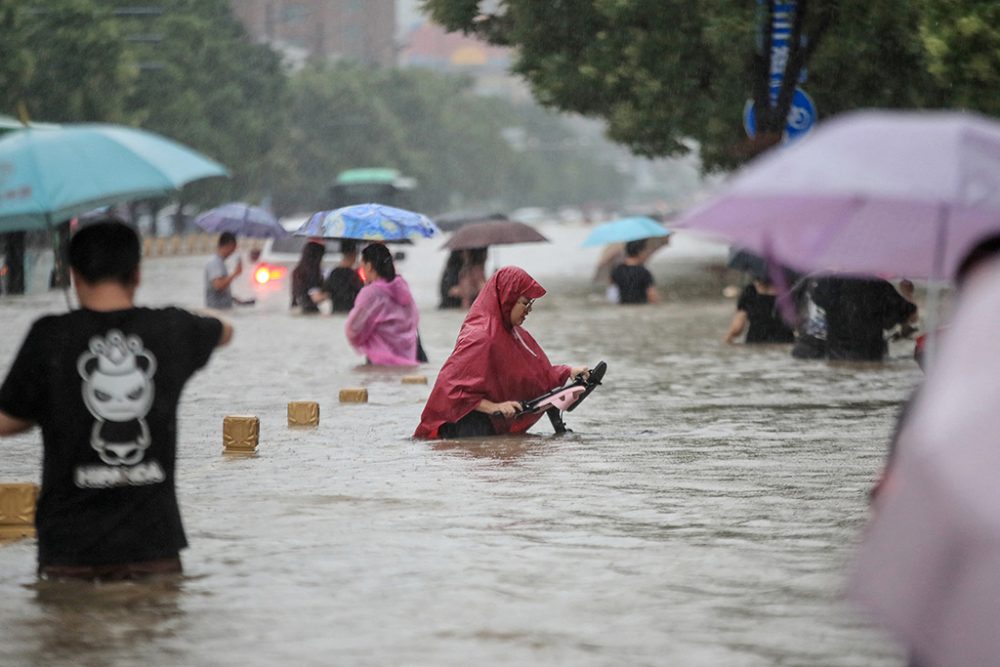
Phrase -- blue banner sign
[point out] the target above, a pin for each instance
(781, 34)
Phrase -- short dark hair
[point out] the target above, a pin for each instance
(348, 246)
(985, 249)
(225, 238)
(379, 257)
(105, 250)
(635, 248)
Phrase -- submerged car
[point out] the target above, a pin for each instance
(270, 270)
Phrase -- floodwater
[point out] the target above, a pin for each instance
(702, 512)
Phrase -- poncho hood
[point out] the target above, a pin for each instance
(383, 323)
(396, 289)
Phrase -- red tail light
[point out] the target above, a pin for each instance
(265, 273)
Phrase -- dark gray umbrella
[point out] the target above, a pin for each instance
(500, 232)
(449, 222)
(743, 260)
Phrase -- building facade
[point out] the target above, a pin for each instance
(359, 30)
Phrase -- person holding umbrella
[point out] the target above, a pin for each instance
(495, 365)
(307, 278)
(448, 286)
(472, 276)
(383, 323)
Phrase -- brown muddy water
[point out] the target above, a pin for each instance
(702, 512)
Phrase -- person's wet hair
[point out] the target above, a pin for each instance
(635, 248)
(478, 255)
(225, 238)
(986, 249)
(105, 250)
(348, 246)
(379, 257)
(312, 254)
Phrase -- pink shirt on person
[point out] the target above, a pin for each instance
(383, 323)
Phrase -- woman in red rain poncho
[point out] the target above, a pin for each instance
(495, 365)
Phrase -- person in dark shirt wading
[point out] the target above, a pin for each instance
(103, 383)
(632, 278)
(344, 283)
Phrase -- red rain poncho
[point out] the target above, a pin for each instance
(492, 360)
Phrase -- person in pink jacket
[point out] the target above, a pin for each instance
(383, 323)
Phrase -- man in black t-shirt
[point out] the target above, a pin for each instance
(344, 283)
(103, 383)
(632, 278)
(858, 310)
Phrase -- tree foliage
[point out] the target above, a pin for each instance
(186, 69)
(63, 60)
(430, 127)
(962, 42)
(205, 84)
(662, 72)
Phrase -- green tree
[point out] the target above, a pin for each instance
(662, 72)
(962, 41)
(428, 126)
(205, 84)
(62, 61)
(336, 122)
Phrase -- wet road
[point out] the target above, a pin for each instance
(702, 512)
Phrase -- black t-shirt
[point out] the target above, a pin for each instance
(857, 312)
(343, 285)
(104, 387)
(766, 324)
(633, 283)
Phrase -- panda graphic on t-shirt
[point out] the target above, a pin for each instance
(118, 389)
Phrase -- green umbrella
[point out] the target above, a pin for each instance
(48, 175)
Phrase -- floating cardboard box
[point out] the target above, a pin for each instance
(414, 379)
(240, 433)
(354, 395)
(17, 510)
(303, 413)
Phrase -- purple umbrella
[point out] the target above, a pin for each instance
(242, 220)
(929, 567)
(873, 192)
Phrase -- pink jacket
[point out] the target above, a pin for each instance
(383, 323)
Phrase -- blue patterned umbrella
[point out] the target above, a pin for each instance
(368, 222)
(243, 220)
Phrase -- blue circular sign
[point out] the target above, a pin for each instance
(801, 117)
